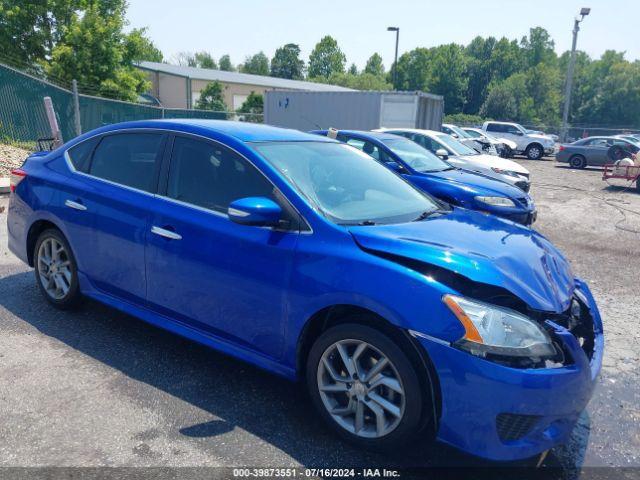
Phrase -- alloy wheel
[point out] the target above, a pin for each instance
(361, 388)
(54, 268)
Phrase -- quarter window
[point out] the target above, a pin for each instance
(80, 154)
(128, 159)
(212, 176)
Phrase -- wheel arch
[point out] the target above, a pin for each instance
(338, 314)
(35, 229)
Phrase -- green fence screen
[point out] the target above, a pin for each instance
(23, 118)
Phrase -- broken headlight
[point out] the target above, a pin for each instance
(493, 330)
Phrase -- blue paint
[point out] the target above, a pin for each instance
(249, 291)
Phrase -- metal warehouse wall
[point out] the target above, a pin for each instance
(352, 110)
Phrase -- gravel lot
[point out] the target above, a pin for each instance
(99, 388)
(11, 157)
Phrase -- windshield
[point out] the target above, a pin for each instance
(458, 148)
(417, 157)
(461, 133)
(345, 185)
(473, 133)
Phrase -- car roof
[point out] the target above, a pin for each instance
(365, 134)
(243, 131)
(417, 130)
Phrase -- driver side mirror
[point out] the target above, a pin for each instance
(519, 133)
(442, 153)
(255, 211)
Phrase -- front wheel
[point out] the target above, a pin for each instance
(56, 270)
(534, 152)
(365, 387)
(577, 161)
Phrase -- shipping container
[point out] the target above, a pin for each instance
(353, 110)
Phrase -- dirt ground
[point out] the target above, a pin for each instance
(97, 387)
(11, 157)
(597, 226)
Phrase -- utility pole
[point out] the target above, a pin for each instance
(395, 64)
(572, 62)
(76, 107)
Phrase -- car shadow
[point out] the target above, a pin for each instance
(238, 395)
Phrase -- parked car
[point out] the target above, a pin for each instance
(534, 146)
(461, 156)
(406, 318)
(593, 151)
(553, 136)
(463, 137)
(503, 146)
(439, 178)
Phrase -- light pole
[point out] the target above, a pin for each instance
(572, 62)
(395, 63)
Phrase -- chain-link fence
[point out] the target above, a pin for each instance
(23, 119)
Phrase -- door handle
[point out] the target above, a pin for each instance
(75, 205)
(163, 232)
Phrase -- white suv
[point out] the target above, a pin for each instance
(532, 145)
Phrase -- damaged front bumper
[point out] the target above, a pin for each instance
(504, 413)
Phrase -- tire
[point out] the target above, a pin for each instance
(534, 151)
(400, 423)
(58, 282)
(577, 161)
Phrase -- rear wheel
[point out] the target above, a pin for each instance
(534, 151)
(365, 387)
(577, 161)
(56, 270)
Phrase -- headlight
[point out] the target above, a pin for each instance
(499, 331)
(505, 172)
(496, 201)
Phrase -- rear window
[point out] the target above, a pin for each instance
(80, 154)
(128, 159)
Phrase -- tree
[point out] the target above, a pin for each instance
(198, 60)
(254, 106)
(478, 58)
(538, 47)
(211, 98)
(139, 48)
(185, 59)
(95, 52)
(225, 64)
(286, 62)
(326, 58)
(205, 60)
(374, 66)
(509, 100)
(257, 64)
(353, 69)
(413, 70)
(543, 86)
(30, 30)
(362, 81)
(448, 76)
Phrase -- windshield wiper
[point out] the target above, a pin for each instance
(366, 223)
(426, 214)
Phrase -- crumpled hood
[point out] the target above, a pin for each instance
(482, 248)
(498, 162)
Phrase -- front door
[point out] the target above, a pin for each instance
(204, 270)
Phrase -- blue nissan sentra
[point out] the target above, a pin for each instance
(430, 173)
(406, 318)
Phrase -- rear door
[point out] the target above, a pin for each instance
(204, 270)
(106, 208)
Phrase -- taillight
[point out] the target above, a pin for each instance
(561, 148)
(17, 175)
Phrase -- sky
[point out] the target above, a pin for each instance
(245, 27)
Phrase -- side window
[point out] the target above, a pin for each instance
(428, 143)
(368, 148)
(128, 159)
(80, 154)
(511, 129)
(212, 176)
(494, 127)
